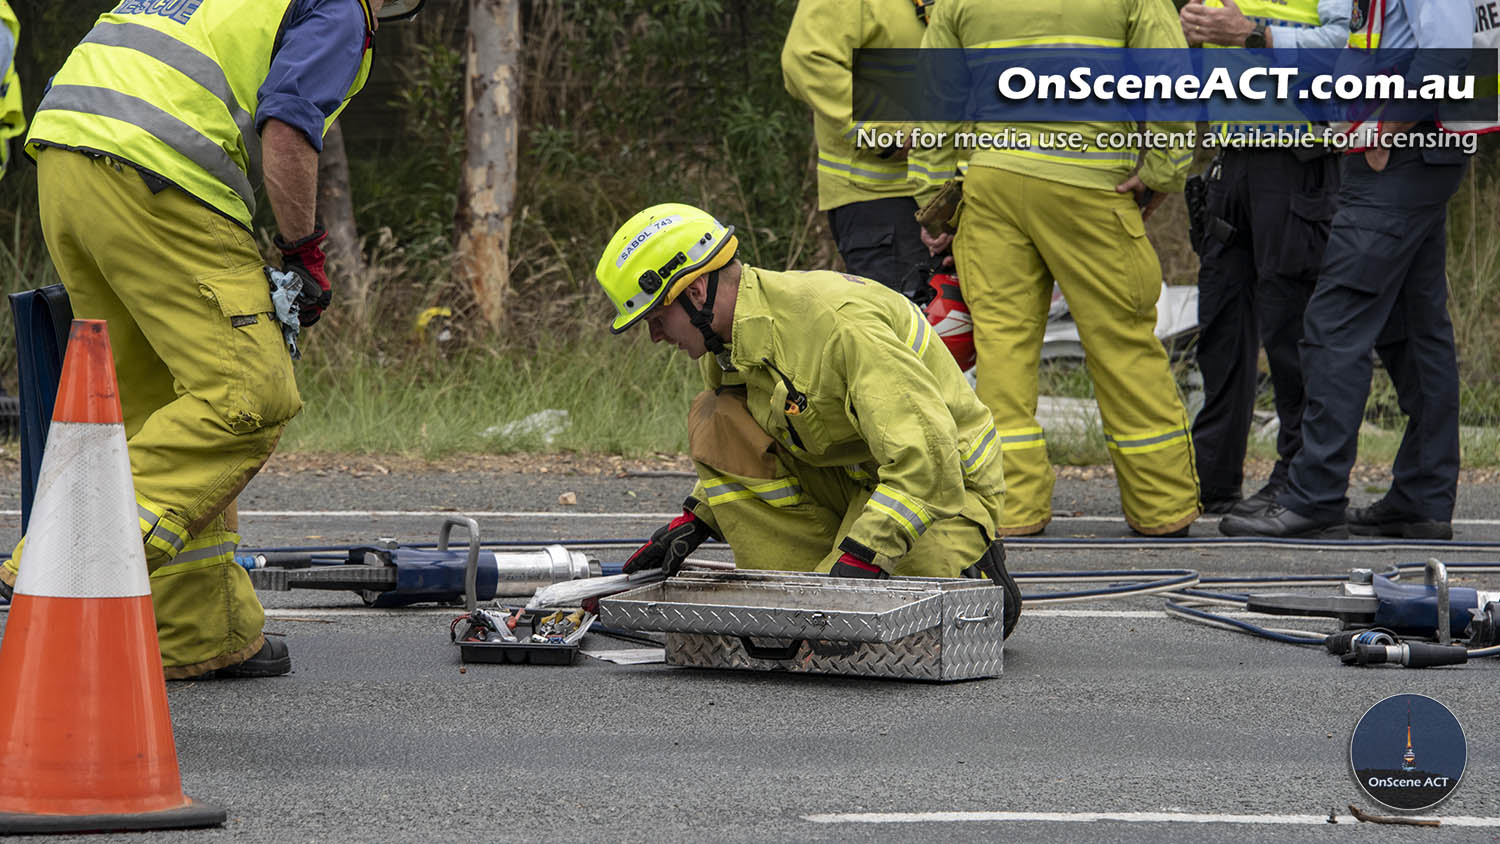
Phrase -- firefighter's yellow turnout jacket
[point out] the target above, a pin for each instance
(870, 431)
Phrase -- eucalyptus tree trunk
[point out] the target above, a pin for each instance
(487, 188)
(336, 212)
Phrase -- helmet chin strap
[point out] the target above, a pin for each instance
(702, 318)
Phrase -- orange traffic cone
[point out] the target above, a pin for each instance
(85, 735)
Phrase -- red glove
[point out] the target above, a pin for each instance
(305, 258)
(856, 561)
(670, 545)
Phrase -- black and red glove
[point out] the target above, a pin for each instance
(670, 545)
(856, 561)
(305, 258)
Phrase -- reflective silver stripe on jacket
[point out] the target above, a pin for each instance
(972, 461)
(191, 63)
(862, 172)
(151, 526)
(207, 552)
(917, 337)
(770, 493)
(916, 523)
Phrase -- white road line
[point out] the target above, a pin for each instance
(1039, 613)
(1123, 817)
(315, 612)
(566, 514)
(473, 514)
(400, 611)
(319, 612)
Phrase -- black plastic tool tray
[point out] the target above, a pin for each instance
(519, 653)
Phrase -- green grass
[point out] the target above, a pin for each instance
(622, 394)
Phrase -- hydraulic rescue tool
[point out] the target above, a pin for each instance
(1386, 622)
(387, 574)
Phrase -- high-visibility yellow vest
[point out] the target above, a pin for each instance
(1366, 21)
(12, 120)
(1301, 14)
(171, 86)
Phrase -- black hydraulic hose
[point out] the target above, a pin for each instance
(1177, 608)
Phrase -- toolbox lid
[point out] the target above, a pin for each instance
(785, 605)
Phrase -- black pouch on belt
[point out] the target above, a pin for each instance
(1196, 194)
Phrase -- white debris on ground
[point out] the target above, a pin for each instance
(544, 425)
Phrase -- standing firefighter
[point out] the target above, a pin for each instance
(147, 143)
(836, 434)
(1037, 212)
(863, 189)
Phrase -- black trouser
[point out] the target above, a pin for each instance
(1258, 269)
(880, 239)
(1384, 286)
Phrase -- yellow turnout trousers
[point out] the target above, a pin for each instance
(1016, 235)
(780, 513)
(206, 383)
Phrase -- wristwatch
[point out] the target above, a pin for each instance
(1257, 36)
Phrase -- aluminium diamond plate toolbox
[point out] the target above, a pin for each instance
(909, 628)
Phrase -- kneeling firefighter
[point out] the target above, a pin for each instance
(836, 433)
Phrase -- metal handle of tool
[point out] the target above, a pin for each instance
(778, 654)
(1436, 574)
(471, 564)
(965, 620)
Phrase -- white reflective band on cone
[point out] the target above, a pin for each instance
(85, 540)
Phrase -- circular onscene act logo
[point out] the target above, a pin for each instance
(1408, 753)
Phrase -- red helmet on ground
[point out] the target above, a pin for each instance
(950, 316)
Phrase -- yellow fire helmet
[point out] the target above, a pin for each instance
(657, 254)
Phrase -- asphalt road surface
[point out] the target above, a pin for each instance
(1111, 722)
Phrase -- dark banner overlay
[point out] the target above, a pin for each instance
(1050, 84)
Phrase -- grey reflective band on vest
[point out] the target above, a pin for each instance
(191, 63)
(979, 450)
(918, 526)
(206, 553)
(186, 140)
(158, 530)
(1145, 441)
